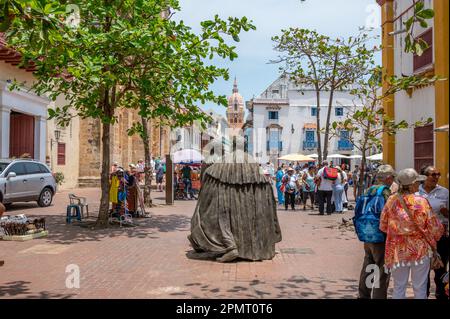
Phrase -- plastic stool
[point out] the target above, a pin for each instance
(70, 215)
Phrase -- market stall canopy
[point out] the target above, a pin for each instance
(355, 156)
(296, 158)
(376, 157)
(337, 156)
(314, 155)
(187, 156)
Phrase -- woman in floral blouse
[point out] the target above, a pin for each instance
(407, 249)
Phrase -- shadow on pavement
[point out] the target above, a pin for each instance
(295, 287)
(23, 206)
(16, 288)
(62, 233)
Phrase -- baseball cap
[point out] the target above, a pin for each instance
(385, 170)
(409, 176)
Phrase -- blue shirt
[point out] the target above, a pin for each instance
(279, 177)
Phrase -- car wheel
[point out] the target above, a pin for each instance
(46, 197)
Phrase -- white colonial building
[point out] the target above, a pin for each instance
(283, 121)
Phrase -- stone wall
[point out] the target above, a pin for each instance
(89, 153)
(125, 149)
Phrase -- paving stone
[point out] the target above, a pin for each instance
(314, 260)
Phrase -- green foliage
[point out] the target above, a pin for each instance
(59, 178)
(420, 16)
(124, 54)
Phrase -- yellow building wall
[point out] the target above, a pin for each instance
(387, 15)
(441, 33)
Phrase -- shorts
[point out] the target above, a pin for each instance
(159, 179)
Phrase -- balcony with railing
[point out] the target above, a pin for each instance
(309, 145)
(345, 145)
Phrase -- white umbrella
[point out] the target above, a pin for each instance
(337, 156)
(297, 158)
(187, 156)
(376, 157)
(314, 155)
(356, 156)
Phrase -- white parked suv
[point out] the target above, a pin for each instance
(25, 180)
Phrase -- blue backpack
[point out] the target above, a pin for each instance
(367, 216)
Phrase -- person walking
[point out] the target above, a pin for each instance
(338, 191)
(325, 189)
(437, 197)
(412, 229)
(355, 180)
(278, 178)
(291, 186)
(374, 251)
(309, 186)
(186, 172)
(346, 171)
(159, 177)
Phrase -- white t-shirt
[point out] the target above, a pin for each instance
(340, 180)
(325, 184)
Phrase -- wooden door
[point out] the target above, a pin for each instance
(21, 138)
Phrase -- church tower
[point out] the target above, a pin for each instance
(235, 110)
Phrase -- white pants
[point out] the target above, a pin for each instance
(419, 278)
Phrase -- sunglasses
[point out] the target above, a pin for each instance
(435, 175)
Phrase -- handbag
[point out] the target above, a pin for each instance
(436, 260)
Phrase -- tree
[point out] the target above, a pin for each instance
(420, 15)
(123, 54)
(325, 64)
(366, 125)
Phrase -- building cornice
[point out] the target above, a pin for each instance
(23, 93)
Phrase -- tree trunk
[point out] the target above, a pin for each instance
(103, 215)
(319, 142)
(148, 171)
(360, 189)
(327, 124)
(330, 106)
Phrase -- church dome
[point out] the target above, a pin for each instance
(235, 98)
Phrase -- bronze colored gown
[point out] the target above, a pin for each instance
(236, 210)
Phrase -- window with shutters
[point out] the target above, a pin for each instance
(423, 146)
(425, 61)
(61, 154)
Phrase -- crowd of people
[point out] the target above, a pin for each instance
(186, 181)
(411, 237)
(408, 210)
(323, 185)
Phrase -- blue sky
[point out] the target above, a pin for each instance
(335, 18)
